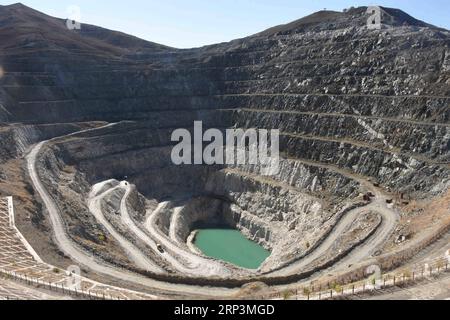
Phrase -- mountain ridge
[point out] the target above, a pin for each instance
(102, 65)
(126, 41)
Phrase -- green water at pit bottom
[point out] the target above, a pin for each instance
(231, 246)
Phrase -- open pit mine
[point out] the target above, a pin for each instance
(92, 205)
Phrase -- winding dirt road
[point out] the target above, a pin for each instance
(136, 255)
(389, 220)
(196, 262)
(80, 256)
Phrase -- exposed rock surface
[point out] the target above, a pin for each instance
(349, 102)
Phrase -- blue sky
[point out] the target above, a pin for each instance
(193, 23)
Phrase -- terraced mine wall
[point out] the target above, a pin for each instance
(70, 165)
(381, 94)
(15, 140)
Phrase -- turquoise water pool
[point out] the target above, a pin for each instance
(231, 246)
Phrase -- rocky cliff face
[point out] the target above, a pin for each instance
(351, 104)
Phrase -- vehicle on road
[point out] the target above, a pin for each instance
(160, 248)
